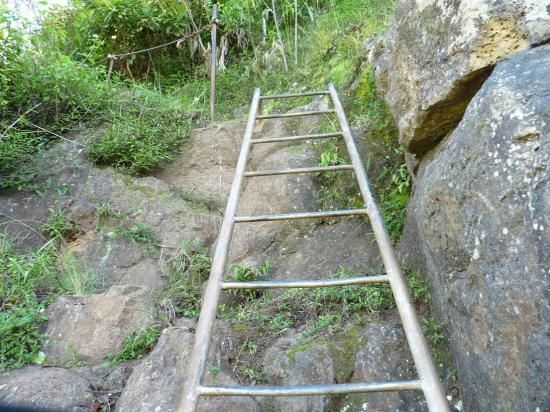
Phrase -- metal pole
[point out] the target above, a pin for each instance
(213, 62)
(431, 385)
(197, 359)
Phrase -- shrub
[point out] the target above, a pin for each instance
(20, 338)
(146, 129)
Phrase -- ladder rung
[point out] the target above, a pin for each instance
(320, 283)
(338, 389)
(297, 137)
(298, 170)
(284, 96)
(296, 114)
(303, 215)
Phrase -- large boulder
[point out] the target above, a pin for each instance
(437, 54)
(156, 384)
(89, 328)
(37, 387)
(479, 226)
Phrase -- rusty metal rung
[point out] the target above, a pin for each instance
(298, 170)
(297, 137)
(319, 283)
(303, 215)
(296, 114)
(286, 96)
(338, 389)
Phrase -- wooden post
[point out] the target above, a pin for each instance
(296, 33)
(110, 72)
(213, 62)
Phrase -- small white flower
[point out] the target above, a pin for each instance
(113, 37)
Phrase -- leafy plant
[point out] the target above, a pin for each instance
(23, 280)
(20, 341)
(187, 270)
(138, 145)
(249, 274)
(418, 287)
(136, 345)
(59, 225)
(140, 233)
(394, 194)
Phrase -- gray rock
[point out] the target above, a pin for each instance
(479, 226)
(157, 382)
(56, 388)
(384, 356)
(206, 167)
(436, 55)
(88, 328)
(289, 363)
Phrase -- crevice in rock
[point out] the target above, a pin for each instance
(454, 107)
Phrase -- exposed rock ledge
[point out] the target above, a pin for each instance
(437, 54)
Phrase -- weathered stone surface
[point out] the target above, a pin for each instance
(157, 382)
(55, 388)
(478, 225)
(88, 328)
(383, 356)
(437, 54)
(289, 363)
(207, 165)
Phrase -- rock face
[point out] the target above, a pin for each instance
(384, 357)
(478, 224)
(91, 327)
(287, 363)
(437, 54)
(156, 383)
(37, 387)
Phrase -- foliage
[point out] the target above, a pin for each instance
(59, 225)
(187, 270)
(294, 306)
(394, 186)
(136, 345)
(76, 279)
(418, 287)
(28, 282)
(94, 29)
(20, 339)
(145, 129)
(249, 274)
(140, 233)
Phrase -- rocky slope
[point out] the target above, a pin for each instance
(182, 205)
(467, 84)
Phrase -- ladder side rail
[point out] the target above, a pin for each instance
(199, 354)
(431, 385)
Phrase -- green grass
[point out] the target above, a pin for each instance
(317, 313)
(28, 283)
(294, 307)
(243, 273)
(187, 270)
(136, 345)
(139, 233)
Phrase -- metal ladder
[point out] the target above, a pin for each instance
(428, 380)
